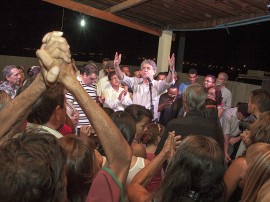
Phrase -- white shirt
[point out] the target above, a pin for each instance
(141, 92)
(112, 101)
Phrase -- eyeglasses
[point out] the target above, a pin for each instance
(146, 67)
(208, 81)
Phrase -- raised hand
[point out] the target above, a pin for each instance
(117, 59)
(54, 55)
(171, 62)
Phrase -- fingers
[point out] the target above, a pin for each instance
(44, 58)
(48, 35)
(52, 75)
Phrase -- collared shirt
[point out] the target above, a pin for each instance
(226, 98)
(230, 124)
(141, 92)
(50, 130)
(92, 91)
(8, 89)
(183, 86)
(112, 101)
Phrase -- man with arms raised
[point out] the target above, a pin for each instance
(141, 86)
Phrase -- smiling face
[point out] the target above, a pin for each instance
(208, 82)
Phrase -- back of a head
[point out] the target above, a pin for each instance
(32, 168)
(43, 108)
(261, 98)
(243, 109)
(195, 172)
(260, 130)
(81, 166)
(138, 112)
(125, 123)
(258, 159)
(194, 96)
(153, 131)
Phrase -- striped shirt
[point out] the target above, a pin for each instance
(92, 91)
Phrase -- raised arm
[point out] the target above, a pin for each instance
(118, 158)
(171, 62)
(118, 71)
(13, 114)
(136, 189)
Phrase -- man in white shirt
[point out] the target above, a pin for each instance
(141, 86)
(226, 93)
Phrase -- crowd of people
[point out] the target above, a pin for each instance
(78, 134)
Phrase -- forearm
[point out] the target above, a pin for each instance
(118, 157)
(18, 108)
(226, 143)
(169, 78)
(118, 71)
(161, 107)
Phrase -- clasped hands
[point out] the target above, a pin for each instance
(54, 55)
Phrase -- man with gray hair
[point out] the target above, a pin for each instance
(87, 78)
(146, 90)
(193, 123)
(12, 80)
(226, 93)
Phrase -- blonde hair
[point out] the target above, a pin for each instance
(260, 129)
(258, 159)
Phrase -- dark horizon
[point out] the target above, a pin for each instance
(22, 29)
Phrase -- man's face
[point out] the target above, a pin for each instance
(89, 79)
(221, 80)
(208, 82)
(192, 78)
(147, 71)
(161, 77)
(137, 74)
(114, 81)
(15, 77)
(172, 92)
(126, 71)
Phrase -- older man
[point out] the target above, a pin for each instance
(146, 90)
(12, 80)
(226, 93)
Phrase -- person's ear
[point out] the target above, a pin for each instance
(58, 113)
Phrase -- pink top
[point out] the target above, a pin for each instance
(157, 178)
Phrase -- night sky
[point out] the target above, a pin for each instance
(23, 23)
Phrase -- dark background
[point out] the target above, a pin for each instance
(23, 24)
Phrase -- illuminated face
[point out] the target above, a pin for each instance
(147, 71)
(137, 74)
(208, 82)
(192, 78)
(15, 77)
(221, 80)
(89, 79)
(161, 77)
(114, 81)
(173, 92)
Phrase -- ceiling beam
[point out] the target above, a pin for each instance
(124, 5)
(213, 24)
(88, 10)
